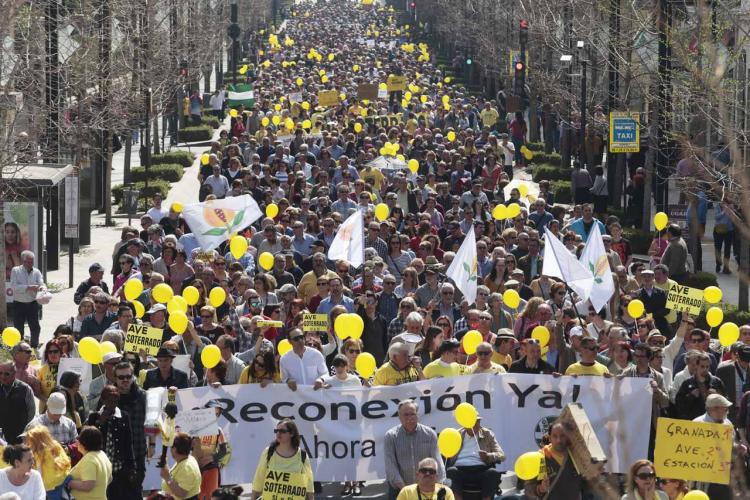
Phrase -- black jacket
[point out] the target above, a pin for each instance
(656, 305)
(177, 378)
(84, 287)
(690, 406)
(121, 434)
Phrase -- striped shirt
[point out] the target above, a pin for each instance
(404, 450)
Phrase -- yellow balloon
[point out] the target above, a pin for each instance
(289, 124)
(266, 260)
(660, 221)
(529, 465)
(696, 495)
(331, 57)
(238, 246)
(89, 349)
(358, 127)
(341, 326)
(272, 210)
(514, 209)
(356, 325)
(11, 336)
(139, 309)
(383, 151)
(712, 294)
(471, 341)
(324, 79)
(381, 212)
(363, 112)
(106, 347)
(276, 120)
(423, 99)
(729, 333)
(714, 316)
(466, 415)
(162, 293)
(217, 296)
(635, 308)
(541, 334)
(402, 158)
(500, 212)
(277, 107)
(177, 304)
(133, 289)
(307, 124)
(382, 86)
(205, 158)
(449, 442)
(511, 298)
(178, 322)
(413, 166)
(445, 99)
(233, 113)
(210, 356)
(191, 295)
(365, 365)
(451, 136)
(265, 121)
(528, 154)
(355, 68)
(177, 207)
(408, 95)
(299, 82)
(284, 347)
(523, 188)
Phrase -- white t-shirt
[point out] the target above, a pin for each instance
(157, 214)
(350, 381)
(469, 454)
(32, 489)
(303, 370)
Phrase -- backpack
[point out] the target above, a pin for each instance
(272, 448)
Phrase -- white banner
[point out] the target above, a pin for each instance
(342, 429)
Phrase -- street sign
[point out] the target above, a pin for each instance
(624, 132)
(71, 206)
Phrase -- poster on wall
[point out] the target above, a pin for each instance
(20, 233)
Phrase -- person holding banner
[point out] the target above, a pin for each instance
(283, 467)
(183, 480)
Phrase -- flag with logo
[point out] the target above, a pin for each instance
(214, 221)
(348, 244)
(594, 259)
(560, 263)
(463, 269)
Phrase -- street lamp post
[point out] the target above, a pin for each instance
(234, 34)
(567, 148)
(582, 138)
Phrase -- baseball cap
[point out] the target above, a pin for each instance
(56, 403)
(717, 401)
(576, 331)
(111, 356)
(156, 308)
(654, 334)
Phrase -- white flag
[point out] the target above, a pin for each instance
(463, 269)
(560, 263)
(349, 242)
(213, 221)
(594, 259)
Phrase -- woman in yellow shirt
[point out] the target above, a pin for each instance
(283, 468)
(183, 480)
(89, 478)
(262, 370)
(47, 374)
(49, 459)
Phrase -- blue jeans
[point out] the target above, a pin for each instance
(56, 494)
(517, 143)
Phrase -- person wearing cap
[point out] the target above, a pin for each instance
(95, 323)
(654, 302)
(734, 375)
(165, 375)
(588, 365)
(96, 278)
(474, 464)
(62, 428)
(431, 288)
(157, 317)
(109, 360)
(692, 394)
(446, 364)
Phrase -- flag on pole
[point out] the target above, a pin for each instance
(594, 259)
(214, 221)
(242, 93)
(560, 263)
(463, 269)
(349, 242)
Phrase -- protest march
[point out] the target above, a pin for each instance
(370, 295)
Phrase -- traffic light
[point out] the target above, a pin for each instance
(520, 67)
(469, 61)
(523, 34)
(413, 5)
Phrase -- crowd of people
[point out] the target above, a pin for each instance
(318, 171)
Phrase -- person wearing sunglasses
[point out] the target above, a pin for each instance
(427, 486)
(642, 482)
(286, 460)
(532, 362)
(302, 365)
(588, 365)
(17, 406)
(95, 323)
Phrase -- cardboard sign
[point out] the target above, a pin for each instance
(79, 366)
(693, 451)
(367, 91)
(197, 423)
(396, 83)
(328, 98)
(685, 299)
(315, 322)
(143, 337)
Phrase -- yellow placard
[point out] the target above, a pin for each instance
(315, 322)
(270, 322)
(280, 484)
(388, 121)
(143, 337)
(693, 451)
(204, 256)
(328, 98)
(396, 83)
(685, 299)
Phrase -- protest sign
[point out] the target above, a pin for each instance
(79, 366)
(328, 98)
(693, 451)
(181, 362)
(342, 429)
(197, 423)
(269, 322)
(315, 322)
(685, 299)
(367, 91)
(143, 337)
(396, 83)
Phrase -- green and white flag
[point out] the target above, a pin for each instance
(463, 269)
(242, 93)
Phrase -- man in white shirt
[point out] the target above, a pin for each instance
(26, 281)
(302, 365)
(156, 212)
(219, 184)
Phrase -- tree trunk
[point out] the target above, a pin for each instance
(3, 301)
